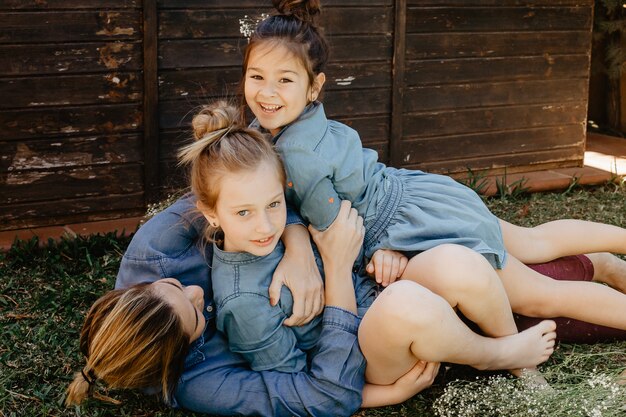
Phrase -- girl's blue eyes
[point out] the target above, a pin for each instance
(244, 213)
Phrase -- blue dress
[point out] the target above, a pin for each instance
(404, 210)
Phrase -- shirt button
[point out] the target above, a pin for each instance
(209, 308)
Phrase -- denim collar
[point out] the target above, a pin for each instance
(234, 258)
(310, 120)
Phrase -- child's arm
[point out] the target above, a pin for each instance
(416, 380)
(387, 266)
(298, 271)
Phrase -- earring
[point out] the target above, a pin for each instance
(214, 224)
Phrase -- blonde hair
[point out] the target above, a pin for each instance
(223, 145)
(131, 338)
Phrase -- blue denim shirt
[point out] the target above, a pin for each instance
(255, 328)
(217, 381)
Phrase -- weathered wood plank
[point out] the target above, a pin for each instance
(67, 4)
(463, 121)
(376, 101)
(64, 26)
(445, 71)
(56, 212)
(372, 129)
(481, 145)
(115, 87)
(457, 96)
(398, 89)
(197, 84)
(24, 186)
(497, 19)
(84, 120)
(228, 52)
(562, 157)
(224, 23)
(457, 45)
(223, 4)
(69, 58)
(500, 3)
(69, 152)
(150, 101)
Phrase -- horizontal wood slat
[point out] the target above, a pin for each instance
(497, 19)
(459, 96)
(74, 90)
(33, 27)
(70, 152)
(81, 120)
(94, 180)
(457, 45)
(446, 71)
(69, 58)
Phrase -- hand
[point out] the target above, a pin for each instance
(420, 377)
(386, 266)
(298, 271)
(341, 242)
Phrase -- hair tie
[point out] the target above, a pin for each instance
(90, 381)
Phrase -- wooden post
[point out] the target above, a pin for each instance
(150, 102)
(398, 68)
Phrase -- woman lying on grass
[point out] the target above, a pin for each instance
(176, 349)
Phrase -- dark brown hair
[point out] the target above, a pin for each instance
(294, 27)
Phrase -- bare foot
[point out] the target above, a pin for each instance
(526, 349)
(609, 269)
(531, 377)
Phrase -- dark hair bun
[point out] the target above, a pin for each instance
(215, 116)
(305, 10)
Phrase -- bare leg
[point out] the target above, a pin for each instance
(609, 269)
(466, 281)
(407, 322)
(559, 238)
(536, 295)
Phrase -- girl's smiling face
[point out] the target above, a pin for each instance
(277, 86)
(250, 210)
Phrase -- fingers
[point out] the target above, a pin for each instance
(274, 289)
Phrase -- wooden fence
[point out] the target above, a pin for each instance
(96, 100)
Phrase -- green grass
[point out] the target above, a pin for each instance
(45, 292)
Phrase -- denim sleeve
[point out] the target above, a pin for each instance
(309, 177)
(255, 330)
(166, 246)
(293, 217)
(332, 386)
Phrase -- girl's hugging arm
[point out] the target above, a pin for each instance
(255, 330)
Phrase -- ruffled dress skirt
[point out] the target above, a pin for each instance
(416, 211)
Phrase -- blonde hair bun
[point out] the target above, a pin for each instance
(213, 117)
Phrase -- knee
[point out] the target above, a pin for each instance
(411, 305)
(461, 268)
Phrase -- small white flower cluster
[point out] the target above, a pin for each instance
(247, 25)
(593, 396)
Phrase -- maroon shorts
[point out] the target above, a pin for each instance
(572, 268)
